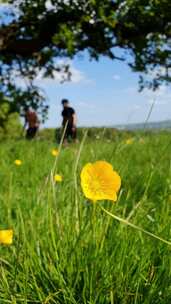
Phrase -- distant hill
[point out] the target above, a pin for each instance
(166, 124)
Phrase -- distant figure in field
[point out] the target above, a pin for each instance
(69, 121)
(31, 119)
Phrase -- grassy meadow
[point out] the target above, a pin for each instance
(66, 249)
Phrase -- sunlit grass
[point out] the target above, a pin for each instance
(66, 249)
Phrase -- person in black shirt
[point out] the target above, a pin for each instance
(68, 121)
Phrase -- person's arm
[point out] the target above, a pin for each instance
(74, 116)
(62, 122)
(25, 123)
(37, 121)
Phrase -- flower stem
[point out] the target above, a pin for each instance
(126, 222)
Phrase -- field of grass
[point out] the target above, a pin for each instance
(67, 249)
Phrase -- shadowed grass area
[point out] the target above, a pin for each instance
(68, 250)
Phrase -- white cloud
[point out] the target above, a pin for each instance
(49, 6)
(161, 96)
(162, 71)
(86, 105)
(136, 107)
(116, 77)
(77, 76)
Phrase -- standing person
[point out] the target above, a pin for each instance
(31, 119)
(69, 120)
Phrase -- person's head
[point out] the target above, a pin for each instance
(65, 103)
(26, 108)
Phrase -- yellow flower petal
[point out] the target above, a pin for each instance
(129, 141)
(6, 236)
(99, 181)
(58, 178)
(18, 162)
(55, 152)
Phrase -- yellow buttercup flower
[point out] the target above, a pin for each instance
(99, 181)
(129, 141)
(18, 162)
(58, 178)
(6, 236)
(55, 152)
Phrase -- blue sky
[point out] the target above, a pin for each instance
(105, 93)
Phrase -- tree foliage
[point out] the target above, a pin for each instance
(10, 125)
(40, 32)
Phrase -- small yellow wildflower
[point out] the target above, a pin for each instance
(141, 141)
(6, 236)
(100, 182)
(58, 178)
(129, 141)
(55, 152)
(18, 162)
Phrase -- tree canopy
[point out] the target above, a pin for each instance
(40, 32)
